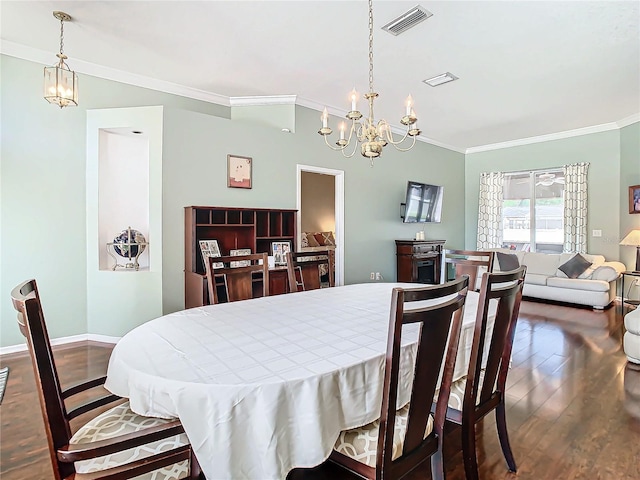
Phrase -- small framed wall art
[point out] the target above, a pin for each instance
(239, 171)
(634, 199)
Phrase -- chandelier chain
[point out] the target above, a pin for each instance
(370, 45)
(61, 36)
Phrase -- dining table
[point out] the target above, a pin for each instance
(265, 385)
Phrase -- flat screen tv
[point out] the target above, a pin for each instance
(423, 203)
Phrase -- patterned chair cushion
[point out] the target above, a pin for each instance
(119, 421)
(456, 397)
(361, 443)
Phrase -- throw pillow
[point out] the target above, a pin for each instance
(507, 261)
(304, 241)
(311, 239)
(575, 267)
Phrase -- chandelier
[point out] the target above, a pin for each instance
(60, 82)
(372, 136)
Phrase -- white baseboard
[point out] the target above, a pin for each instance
(22, 347)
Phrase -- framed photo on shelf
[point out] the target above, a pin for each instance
(237, 252)
(239, 171)
(634, 199)
(210, 248)
(279, 251)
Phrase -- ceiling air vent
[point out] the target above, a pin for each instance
(410, 19)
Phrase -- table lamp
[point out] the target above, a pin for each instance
(633, 240)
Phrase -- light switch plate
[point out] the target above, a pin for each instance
(596, 233)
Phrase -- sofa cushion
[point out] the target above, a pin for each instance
(578, 284)
(541, 263)
(535, 279)
(575, 267)
(507, 261)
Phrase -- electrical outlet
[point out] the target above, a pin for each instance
(372, 276)
(596, 233)
(379, 277)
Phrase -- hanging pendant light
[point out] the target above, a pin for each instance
(371, 135)
(60, 82)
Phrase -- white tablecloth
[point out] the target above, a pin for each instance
(265, 385)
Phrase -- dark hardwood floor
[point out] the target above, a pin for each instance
(573, 404)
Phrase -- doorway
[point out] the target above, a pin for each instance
(314, 190)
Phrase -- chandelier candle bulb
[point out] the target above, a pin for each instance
(342, 127)
(325, 118)
(409, 105)
(354, 100)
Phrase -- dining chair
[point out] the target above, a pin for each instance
(116, 444)
(468, 262)
(310, 270)
(483, 388)
(237, 277)
(402, 439)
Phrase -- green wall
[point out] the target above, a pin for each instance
(629, 175)
(43, 189)
(601, 150)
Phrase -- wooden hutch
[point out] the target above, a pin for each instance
(233, 228)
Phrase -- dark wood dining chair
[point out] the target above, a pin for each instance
(483, 388)
(118, 443)
(233, 278)
(468, 262)
(401, 440)
(310, 270)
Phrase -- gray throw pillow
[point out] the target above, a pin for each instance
(507, 261)
(575, 267)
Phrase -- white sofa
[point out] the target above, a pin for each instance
(596, 287)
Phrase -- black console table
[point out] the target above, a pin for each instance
(419, 261)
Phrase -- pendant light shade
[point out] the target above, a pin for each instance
(60, 82)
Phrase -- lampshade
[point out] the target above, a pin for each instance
(633, 240)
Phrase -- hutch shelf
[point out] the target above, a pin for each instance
(233, 228)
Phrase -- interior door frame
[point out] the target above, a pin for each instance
(338, 176)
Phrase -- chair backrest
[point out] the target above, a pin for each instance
(468, 262)
(310, 270)
(490, 379)
(26, 301)
(439, 324)
(232, 278)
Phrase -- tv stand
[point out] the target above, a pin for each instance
(419, 261)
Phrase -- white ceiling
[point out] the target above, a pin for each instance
(526, 68)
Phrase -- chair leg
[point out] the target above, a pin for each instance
(437, 465)
(196, 471)
(469, 451)
(503, 435)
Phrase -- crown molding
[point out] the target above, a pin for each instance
(260, 101)
(545, 138)
(43, 57)
(87, 68)
(625, 122)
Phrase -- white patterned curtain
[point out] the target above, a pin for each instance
(490, 210)
(575, 207)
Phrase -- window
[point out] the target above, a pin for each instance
(533, 211)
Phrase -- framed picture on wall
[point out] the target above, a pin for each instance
(239, 171)
(634, 199)
(279, 251)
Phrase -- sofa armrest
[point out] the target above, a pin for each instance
(608, 271)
